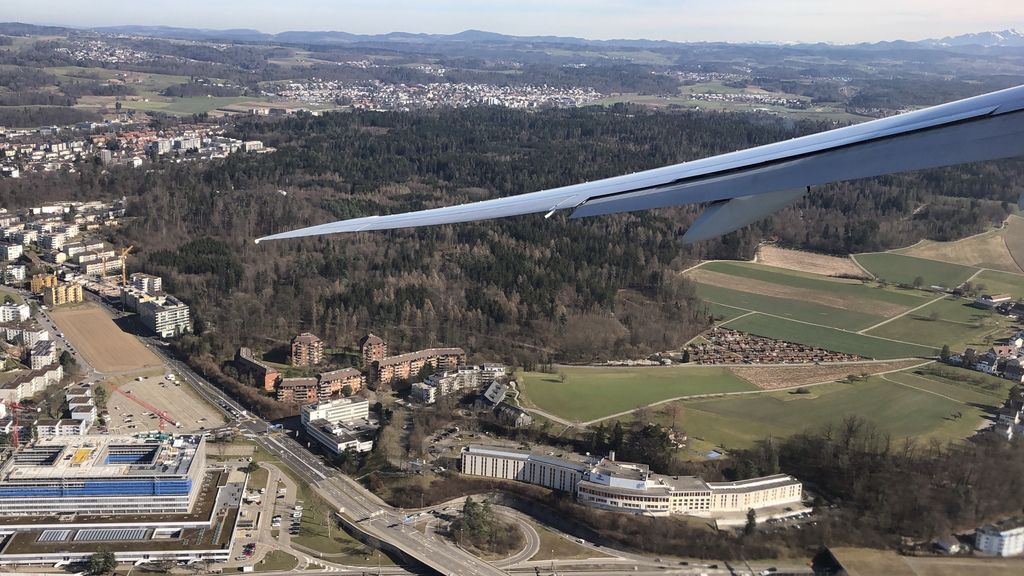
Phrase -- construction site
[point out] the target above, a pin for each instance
(156, 402)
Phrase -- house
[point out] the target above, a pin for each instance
(1014, 370)
(512, 415)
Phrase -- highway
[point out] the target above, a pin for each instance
(341, 492)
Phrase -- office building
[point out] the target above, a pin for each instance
(102, 475)
(340, 424)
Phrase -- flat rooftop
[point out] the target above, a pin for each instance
(90, 457)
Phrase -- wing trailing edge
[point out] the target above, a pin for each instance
(750, 184)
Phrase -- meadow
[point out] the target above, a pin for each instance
(955, 322)
(902, 411)
(588, 393)
(900, 269)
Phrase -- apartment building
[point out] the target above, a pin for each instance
(265, 376)
(298, 390)
(63, 293)
(14, 312)
(40, 281)
(374, 349)
(166, 316)
(11, 251)
(307, 350)
(146, 283)
(1002, 539)
(43, 354)
(338, 382)
(405, 366)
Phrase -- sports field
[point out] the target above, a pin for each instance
(829, 338)
(103, 345)
(900, 269)
(591, 393)
(903, 411)
(956, 323)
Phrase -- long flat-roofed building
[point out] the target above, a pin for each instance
(632, 488)
(102, 475)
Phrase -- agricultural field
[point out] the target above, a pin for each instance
(1014, 239)
(987, 250)
(955, 322)
(809, 262)
(103, 345)
(992, 282)
(789, 376)
(834, 302)
(869, 562)
(902, 411)
(723, 313)
(900, 269)
(829, 338)
(589, 393)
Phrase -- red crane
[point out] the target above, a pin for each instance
(15, 410)
(163, 416)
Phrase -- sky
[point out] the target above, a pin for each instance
(837, 21)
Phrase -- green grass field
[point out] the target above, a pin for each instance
(590, 393)
(740, 421)
(961, 391)
(828, 338)
(901, 269)
(957, 324)
(795, 309)
(722, 313)
(186, 106)
(1001, 283)
(277, 561)
(794, 279)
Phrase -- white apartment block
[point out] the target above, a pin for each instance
(1000, 540)
(44, 353)
(168, 317)
(11, 251)
(146, 282)
(14, 312)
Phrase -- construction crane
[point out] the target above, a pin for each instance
(124, 265)
(16, 409)
(163, 416)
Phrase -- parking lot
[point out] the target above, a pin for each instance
(174, 397)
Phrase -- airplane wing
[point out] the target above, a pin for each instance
(750, 184)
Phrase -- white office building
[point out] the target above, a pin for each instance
(340, 424)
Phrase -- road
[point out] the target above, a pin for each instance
(339, 491)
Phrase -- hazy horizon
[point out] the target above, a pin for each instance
(680, 21)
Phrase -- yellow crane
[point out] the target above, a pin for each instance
(124, 265)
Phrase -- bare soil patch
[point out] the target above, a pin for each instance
(775, 377)
(105, 346)
(843, 302)
(988, 250)
(809, 262)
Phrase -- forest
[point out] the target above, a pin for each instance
(521, 290)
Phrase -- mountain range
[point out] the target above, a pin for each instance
(1004, 38)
